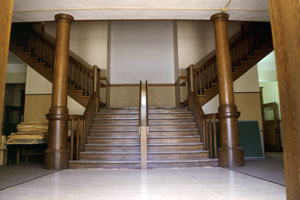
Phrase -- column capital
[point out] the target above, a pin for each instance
(219, 17)
(65, 17)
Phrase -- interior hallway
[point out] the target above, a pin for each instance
(191, 184)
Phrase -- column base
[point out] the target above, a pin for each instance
(57, 159)
(231, 157)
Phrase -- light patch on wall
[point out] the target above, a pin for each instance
(142, 50)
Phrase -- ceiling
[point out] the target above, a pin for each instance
(44, 10)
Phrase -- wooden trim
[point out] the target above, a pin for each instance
(247, 92)
(36, 94)
(149, 85)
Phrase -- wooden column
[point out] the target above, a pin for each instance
(6, 8)
(230, 153)
(57, 154)
(285, 22)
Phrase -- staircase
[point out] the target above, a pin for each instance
(38, 51)
(114, 140)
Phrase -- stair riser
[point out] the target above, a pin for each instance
(118, 111)
(116, 116)
(112, 141)
(158, 115)
(113, 149)
(104, 166)
(178, 120)
(175, 148)
(175, 165)
(173, 133)
(114, 127)
(168, 110)
(190, 156)
(109, 157)
(116, 122)
(113, 134)
(172, 140)
(172, 127)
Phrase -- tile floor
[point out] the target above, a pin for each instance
(156, 184)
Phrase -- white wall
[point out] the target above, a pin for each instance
(196, 39)
(88, 39)
(141, 50)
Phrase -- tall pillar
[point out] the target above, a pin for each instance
(57, 154)
(6, 9)
(230, 153)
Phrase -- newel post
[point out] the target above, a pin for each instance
(190, 81)
(230, 152)
(57, 155)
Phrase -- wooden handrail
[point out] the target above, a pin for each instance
(204, 74)
(76, 126)
(42, 47)
(143, 122)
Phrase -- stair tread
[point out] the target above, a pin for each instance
(118, 118)
(105, 162)
(112, 145)
(166, 107)
(109, 152)
(175, 117)
(113, 130)
(113, 137)
(178, 152)
(171, 112)
(175, 123)
(97, 124)
(121, 108)
(176, 144)
(174, 130)
(183, 161)
(173, 136)
(113, 113)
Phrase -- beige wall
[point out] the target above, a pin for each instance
(196, 39)
(246, 95)
(38, 98)
(128, 96)
(88, 40)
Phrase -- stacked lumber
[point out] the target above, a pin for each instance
(29, 133)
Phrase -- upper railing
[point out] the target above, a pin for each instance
(242, 46)
(143, 122)
(80, 74)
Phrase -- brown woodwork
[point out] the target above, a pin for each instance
(38, 51)
(143, 122)
(57, 154)
(5, 27)
(230, 152)
(76, 142)
(285, 21)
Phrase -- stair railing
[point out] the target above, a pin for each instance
(76, 133)
(42, 48)
(242, 46)
(210, 135)
(143, 122)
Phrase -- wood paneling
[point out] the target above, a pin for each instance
(285, 21)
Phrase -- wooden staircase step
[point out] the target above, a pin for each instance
(171, 120)
(110, 156)
(116, 121)
(173, 139)
(114, 127)
(113, 133)
(186, 125)
(170, 114)
(173, 132)
(177, 155)
(182, 163)
(104, 164)
(135, 111)
(113, 140)
(175, 147)
(167, 110)
(116, 116)
(113, 147)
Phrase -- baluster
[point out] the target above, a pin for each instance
(77, 138)
(210, 137)
(82, 134)
(82, 76)
(200, 81)
(85, 83)
(215, 137)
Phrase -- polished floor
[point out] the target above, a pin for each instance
(173, 184)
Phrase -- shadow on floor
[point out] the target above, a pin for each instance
(270, 169)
